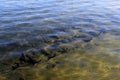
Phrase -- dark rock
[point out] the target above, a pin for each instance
(21, 78)
(27, 59)
(53, 65)
(44, 52)
(31, 60)
(48, 55)
(50, 66)
(22, 58)
(95, 34)
(57, 62)
(15, 66)
(51, 56)
(54, 36)
(87, 39)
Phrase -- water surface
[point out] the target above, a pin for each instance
(87, 31)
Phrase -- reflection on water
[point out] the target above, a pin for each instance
(57, 39)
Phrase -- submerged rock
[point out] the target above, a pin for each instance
(16, 65)
(49, 66)
(21, 79)
(25, 59)
(48, 54)
(87, 39)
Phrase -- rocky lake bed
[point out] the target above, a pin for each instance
(59, 39)
(97, 58)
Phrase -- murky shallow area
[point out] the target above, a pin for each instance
(60, 40)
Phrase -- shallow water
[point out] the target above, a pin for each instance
(73, 39)
(24, 23)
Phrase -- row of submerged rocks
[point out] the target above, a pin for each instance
(35, 56)
(42, 40)
(60, 44)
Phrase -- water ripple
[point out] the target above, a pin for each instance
(28, 23)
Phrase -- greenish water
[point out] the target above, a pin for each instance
(60, 40)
